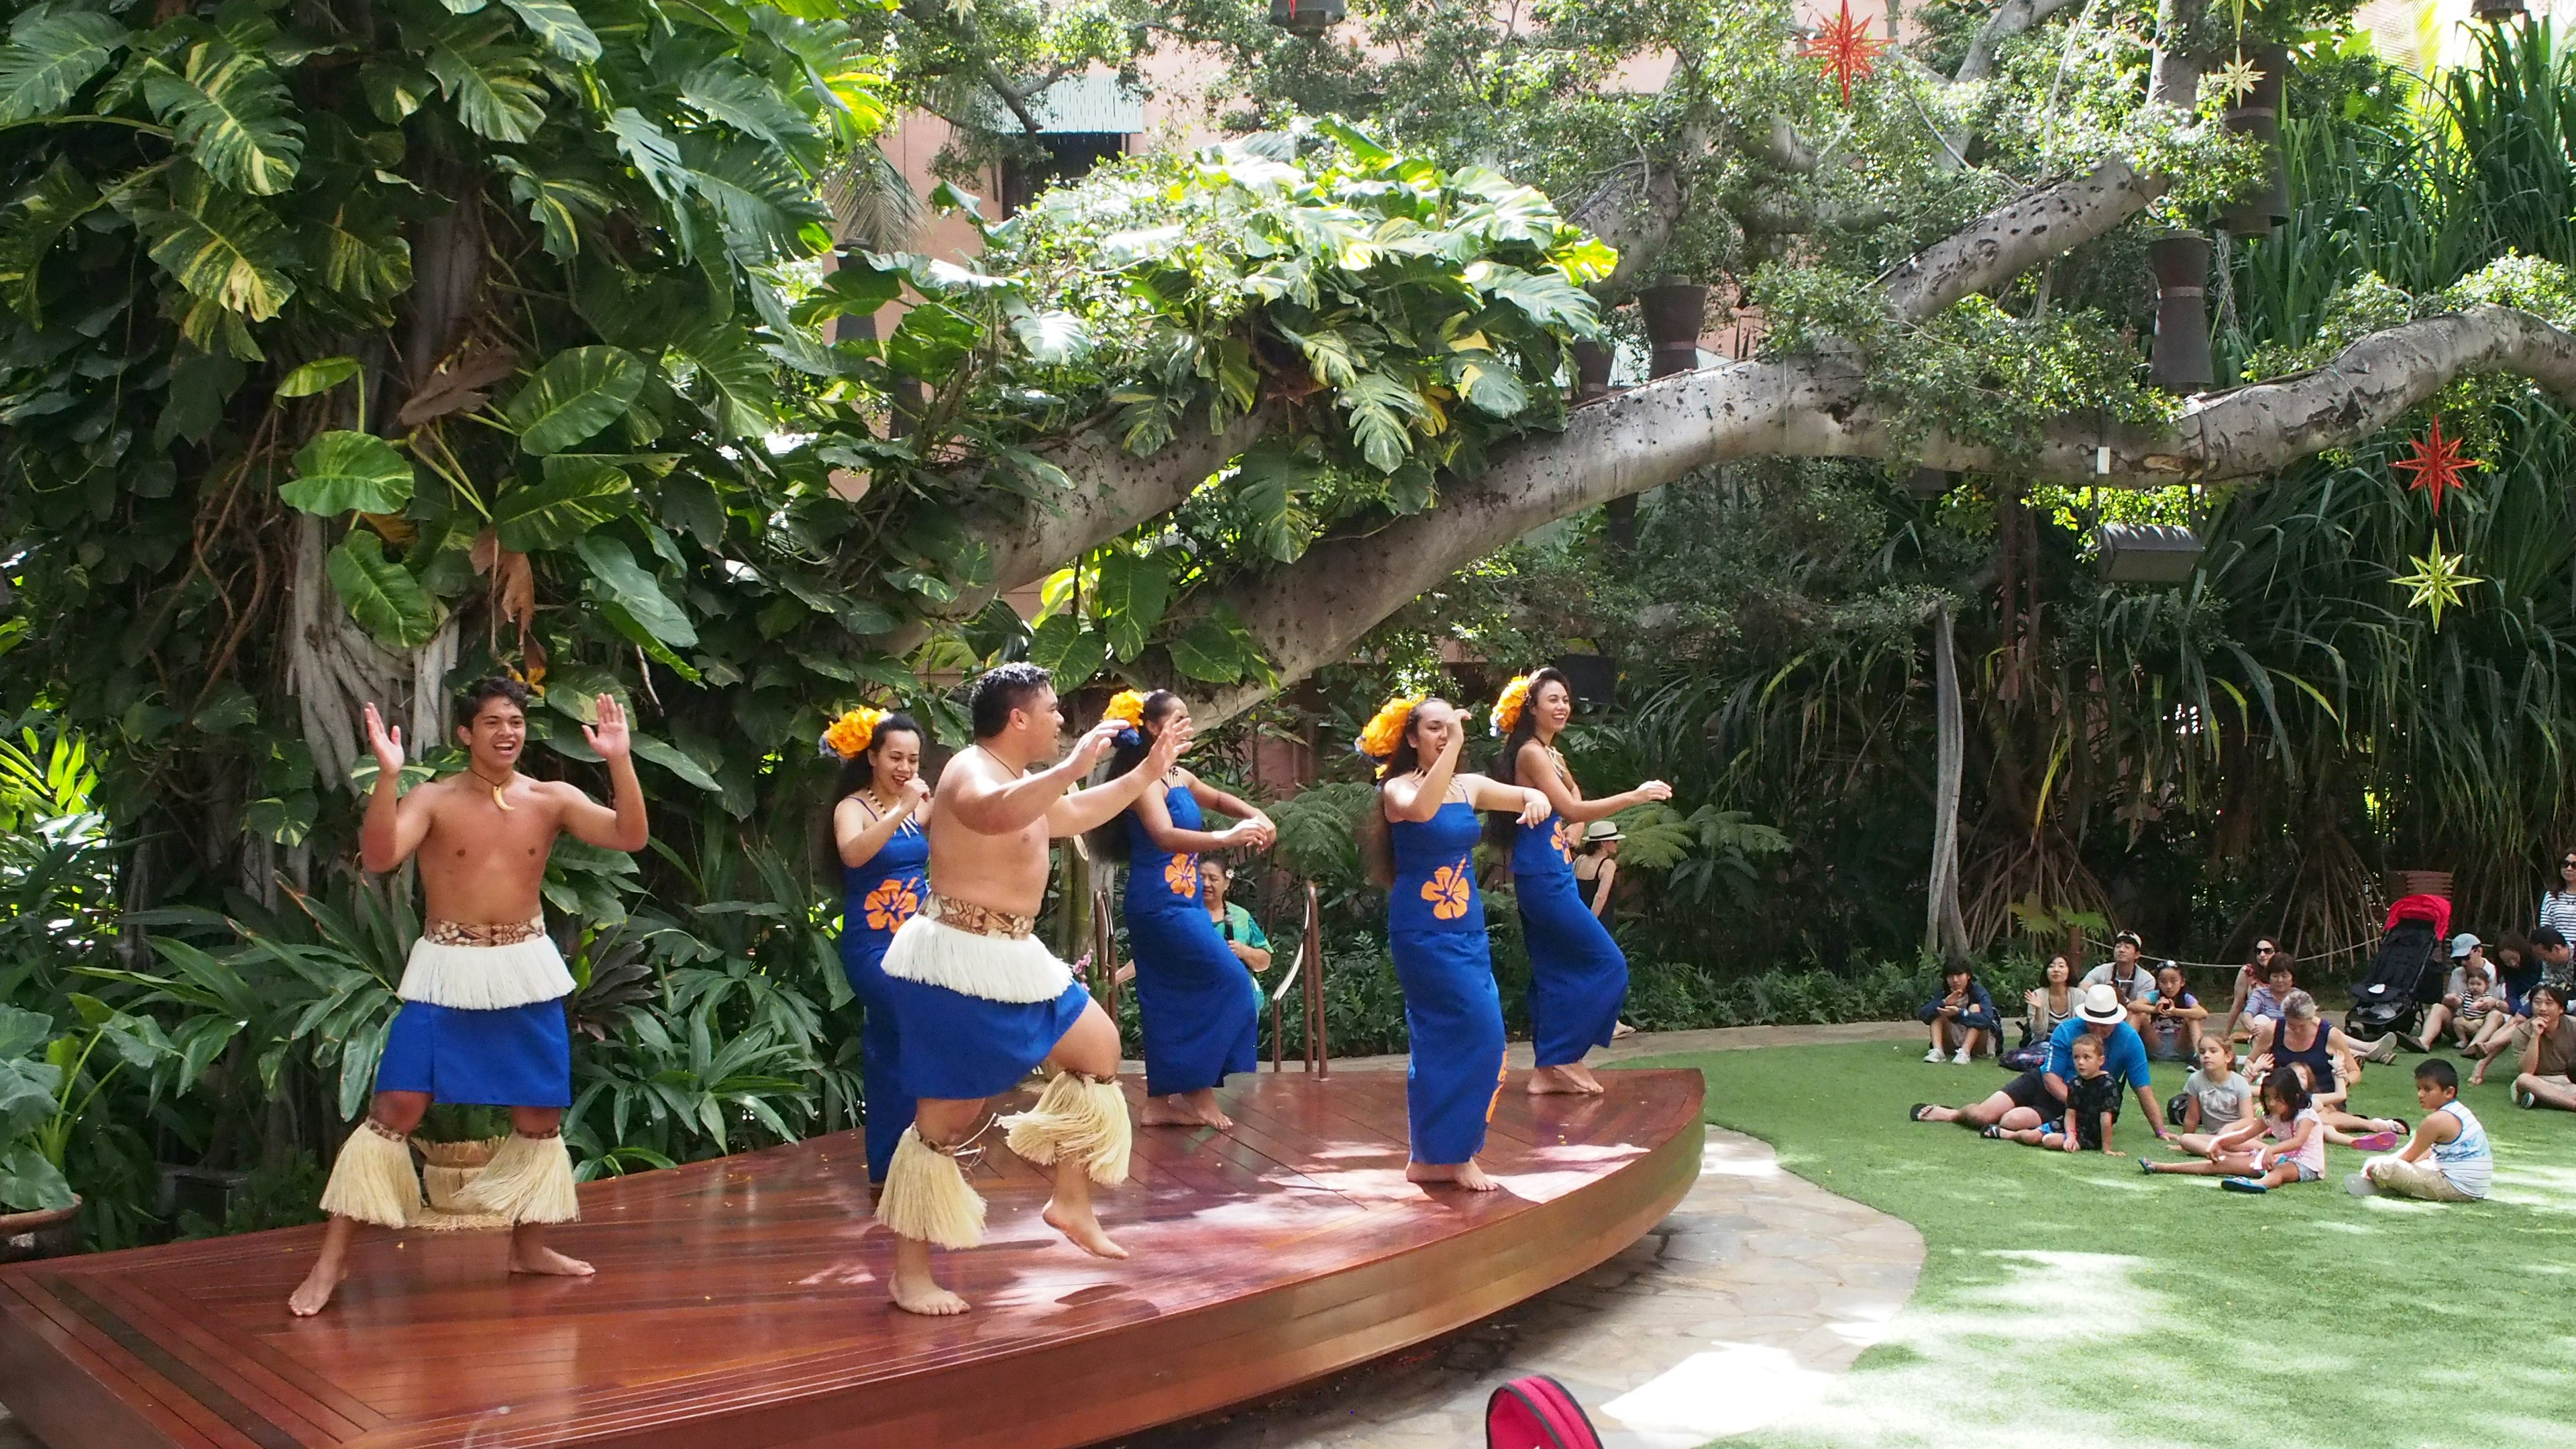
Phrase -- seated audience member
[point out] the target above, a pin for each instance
(2052, 1001)
(1962, 1017)
(2557, 963)
(2263, 1006)
(2248, 977)
(2092, 1105)
(2470, 998)
(2324, 1058)
(2548, 1054)
(2038, 1096)
(2462, 1168)
(2516, 974)
(2298, 1153)
(2175, 1018)
(2214, 1098)
(2135, 981)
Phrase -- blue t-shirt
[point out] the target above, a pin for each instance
(2124, 1054)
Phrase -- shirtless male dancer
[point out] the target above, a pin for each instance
(981, 1001)
(482, 1019)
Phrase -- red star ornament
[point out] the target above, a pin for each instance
(2436, 463)
(1848, 50)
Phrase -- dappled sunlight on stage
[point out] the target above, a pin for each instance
(740, 1302)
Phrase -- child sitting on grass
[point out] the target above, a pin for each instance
(2214, 1099)
(2092, 1105)
(2243, 1165)
(2463, 1166)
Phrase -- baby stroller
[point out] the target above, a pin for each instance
(2406, 975)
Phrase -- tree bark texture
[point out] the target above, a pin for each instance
(1945, 930)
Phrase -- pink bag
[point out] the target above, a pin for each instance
(1537, 1413)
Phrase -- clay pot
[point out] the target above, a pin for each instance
(44, 1233)
(1673, 314)
(1592, 362)
(2181, 354)
(449, 1166)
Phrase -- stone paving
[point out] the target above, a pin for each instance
(1734, 1313)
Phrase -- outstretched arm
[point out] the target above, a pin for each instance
(1237, 808)
(624, 826)
(1154, 809)
(1536, 770)
(394, 826)
(1004, 807)
(1486, 793)
(1090, 809)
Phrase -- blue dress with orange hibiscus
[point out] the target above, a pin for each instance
(1452, 1013)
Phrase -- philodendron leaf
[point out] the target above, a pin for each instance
(1130, 597)
(578, 392)
(578, 495)
(560, 27)
(382, 595)
(634, 593)
(29, 1183)
(52, 52)
(340, 470)
(233, 114)
(319, 375)
(1064, 648)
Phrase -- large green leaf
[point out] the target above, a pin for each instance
(727, 92)
(1487, 384)
(233, 114)
(578, 392)
(674, 759)
(1546, 298)
(765, 203)
(650, 151)
(1062, 647)
(339, 471)
(33, 223)
(1129, 599)
(226, 250)
(491, 80)
(1379, 406)
(382, 595)
(739, 381)
(560, 27)
(52, 52)
(634, 593)
(578, 495)
(320, 375)
(29, 1183)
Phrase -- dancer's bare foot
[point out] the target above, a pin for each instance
(1572, 1078)
(545, 1262)
(1082, 1230)
(1170, 1111)
(914, 1290)
(314, 1294)
(1467, 1174)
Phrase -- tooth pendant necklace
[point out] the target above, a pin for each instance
(496, 785)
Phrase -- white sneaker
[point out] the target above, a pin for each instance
(1961, 1059)
(1933, 1056)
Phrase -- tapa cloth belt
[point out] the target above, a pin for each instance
(471, 966)
(976, 951)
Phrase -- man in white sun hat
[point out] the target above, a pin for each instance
(2039, 1096)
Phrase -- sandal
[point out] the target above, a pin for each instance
(1920, 1111)
(1991, 1131)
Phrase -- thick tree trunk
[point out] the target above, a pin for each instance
(1945, 931)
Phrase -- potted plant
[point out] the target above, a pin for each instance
(455, 1145)
(47, 1083)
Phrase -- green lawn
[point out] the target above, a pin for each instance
(2073, 1301)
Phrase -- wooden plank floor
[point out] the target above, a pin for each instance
(741, 1302)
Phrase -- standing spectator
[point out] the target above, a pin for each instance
(2249, 977)
(2053, 1000)
(1234, 924)
(2558, 907)
(1960, 1012)
(2549, 1056)
(2135, 983)
(2173, 1025)
(1598, 865)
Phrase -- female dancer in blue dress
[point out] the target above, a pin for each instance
(1421, 843)
(1578, 978)
(1198, 1005)
(877, 826)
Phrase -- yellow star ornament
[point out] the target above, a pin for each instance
(2235, 80)
(2437, 581)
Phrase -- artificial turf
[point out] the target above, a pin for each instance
(2072, 1301)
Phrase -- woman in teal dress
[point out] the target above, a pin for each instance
(1422, 845)
(1578, 977)
(877, 827)
(1198, 1006)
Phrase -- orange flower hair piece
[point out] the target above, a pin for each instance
(1508, 705)
(1385, 729)
(1127, 707)
(850, 735)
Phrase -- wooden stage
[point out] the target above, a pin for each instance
(741, 1303)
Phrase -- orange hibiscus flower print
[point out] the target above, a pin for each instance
(891, 904)
(1181, 873)
(1448, 891)
(1567, 834)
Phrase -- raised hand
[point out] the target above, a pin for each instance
(387, 744)
(1534, 808)
(610, 736)
(915, 791)
(1096, 744)
(1654, 790)
(1167, 750)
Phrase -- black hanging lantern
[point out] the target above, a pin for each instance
(1307, 17)
(1594, 677)
(2181, 355)
(1673, 314)
(2258, 114)
(2147, 553)
(1926, 484)
(2497, 12)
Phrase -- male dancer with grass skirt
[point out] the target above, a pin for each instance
(981, 1001)
(482, 1019)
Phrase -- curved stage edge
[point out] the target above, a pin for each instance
(740, 1302)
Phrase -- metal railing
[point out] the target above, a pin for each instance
(1305, 973)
